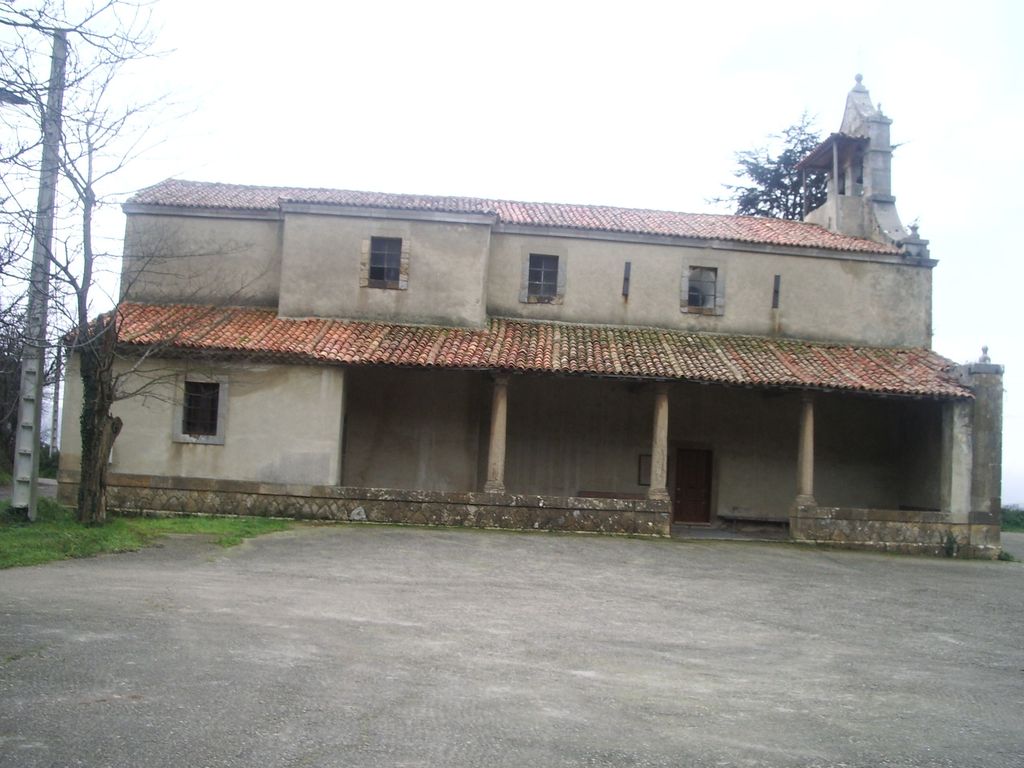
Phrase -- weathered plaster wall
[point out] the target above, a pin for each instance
(851, 213)
(753, 438)
(321, 268)
(415, 442)
(414, 429)
(920, 453)
(309, 265)
(869, 452)
(571, 435)
(856, 452)
(568, 435)
(196, 260)
(837, 299)
(428, 431)
(877, 453)
(283, 424)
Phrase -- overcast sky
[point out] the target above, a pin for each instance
(633, 104)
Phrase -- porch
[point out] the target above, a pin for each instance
(545, 452)
(617, 429)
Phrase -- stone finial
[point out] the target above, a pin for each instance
(859, 111)
(860, 82)
(983, 366)
(914, 246)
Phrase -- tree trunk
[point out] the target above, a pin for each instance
(99, 428)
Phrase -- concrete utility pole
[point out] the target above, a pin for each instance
(33, 355)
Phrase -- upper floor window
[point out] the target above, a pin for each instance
(703, 291)
(385, 262)
(543, 274)
(542, 284)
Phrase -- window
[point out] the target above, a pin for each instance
(542, 284)
(703, 291)
(702, 287)
(543, 273)
(385, 262)
(200, 411)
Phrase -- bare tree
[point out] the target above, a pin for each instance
(99, 136)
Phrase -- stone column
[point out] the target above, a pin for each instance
(496, 450)
(805, 454)
(342, 379)
(659, 446)
(957, 460)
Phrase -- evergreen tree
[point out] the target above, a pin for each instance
(772, 182)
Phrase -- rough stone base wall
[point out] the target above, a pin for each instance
(892, 530)
(144, 494)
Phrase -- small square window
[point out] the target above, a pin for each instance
(702, 290)
(385, 262)
(542, 282)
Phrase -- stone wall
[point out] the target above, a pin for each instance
(897, 530)
(145, 494)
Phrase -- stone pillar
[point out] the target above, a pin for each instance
(972, 457)
(805, 454)
(659, 446)
(342, 375)
(957, 460)
(986, 381)
(496, 450)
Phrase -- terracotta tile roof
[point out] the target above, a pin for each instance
(703, 226)
(517, 345)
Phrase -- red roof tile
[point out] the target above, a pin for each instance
(702, 226)
(517, 345)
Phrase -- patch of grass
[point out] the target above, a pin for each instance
(49, 462)
(1013, 518)
(1006, 557)
(228, 530)
(56, 535)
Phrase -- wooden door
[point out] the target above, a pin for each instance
(691, 497)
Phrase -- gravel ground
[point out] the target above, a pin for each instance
(380, 646)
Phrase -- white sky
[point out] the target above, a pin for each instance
(636, 104)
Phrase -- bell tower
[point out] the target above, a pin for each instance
(858, 164)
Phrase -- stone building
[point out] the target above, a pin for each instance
(461, 361)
